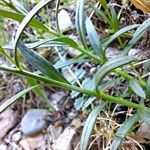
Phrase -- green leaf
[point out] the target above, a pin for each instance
(79, 102)
(118, 33)
(15, 98)
(44, 43)
(132, 42)
(110, 84)
(3, 52)
(88, 102)
(94, 38)
(68, 41)
(19, 7)
(143, 27)
(123, 131)
(24, 23)
(41, 63)
(101, 14)
(88, 126)
(146, 68)
(19, 17)
(138, 35)
(144, 114)
(110, 65)
(114, 19)
(70, 62)
(135, 86)
(80, 22)
(148, 86)
(104, 4)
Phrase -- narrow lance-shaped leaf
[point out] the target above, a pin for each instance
(135, 86)
(104, 4)
(132, 42)
(144, 114)
(100, 14)
(19, 7)
(44, 43)
(137, 35)
(88, 126)
(70, 62)
(25, 22)
(114, 19)
(94, 38)
(19, 17)
(123, 131)
(148, 86)
(118, 33)
(143, 27)
(80, 22)
(73, 44)
(29, 17)
(13, 99)
(41, 63)
(68, 41)
(3, 52)
(110, 65)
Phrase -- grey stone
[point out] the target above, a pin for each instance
(64, 20)
(33, 122)
(112, 52)
(8, 119)
(64, 141)
(144, 131)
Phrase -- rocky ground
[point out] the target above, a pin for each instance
(27, 125)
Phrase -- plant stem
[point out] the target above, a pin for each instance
(128, 77)
(91, 55)
(119, 100)
(138, 76)
(55, 83)
(56, 15)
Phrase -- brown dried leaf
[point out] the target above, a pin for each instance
(143, 5)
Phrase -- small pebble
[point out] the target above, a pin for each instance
(71, 115)
(16, 137)
(64, 20)
(76, 123)
(55, 131)
(33, 122)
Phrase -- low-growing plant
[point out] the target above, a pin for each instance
(48, 75)
(110, 17)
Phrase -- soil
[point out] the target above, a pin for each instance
(65, 124)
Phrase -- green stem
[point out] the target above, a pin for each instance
(124, 35)
(55, 83)
(141, 81)
(128, 77)
(119, 100)
(91, 55)
(120, 42)
(123, 74)
(56, 15)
